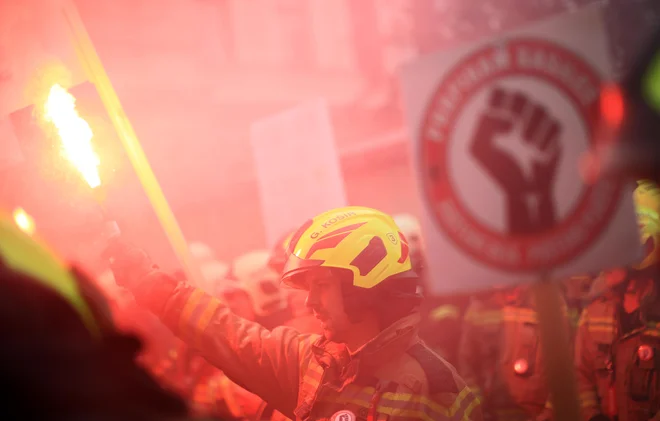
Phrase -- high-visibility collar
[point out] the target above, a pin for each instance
(23, 254)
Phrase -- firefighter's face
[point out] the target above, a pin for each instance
(325, 299)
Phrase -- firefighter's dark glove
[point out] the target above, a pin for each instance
(129, 263)
(599, 417)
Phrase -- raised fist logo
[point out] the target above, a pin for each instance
(518, 143)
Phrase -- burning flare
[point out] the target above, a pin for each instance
(76, 135)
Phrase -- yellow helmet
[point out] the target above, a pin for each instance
(364, 241)
(647, 206)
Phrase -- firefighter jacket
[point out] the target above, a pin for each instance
(618, 372)
(500, 358)
(442, 322)
(219, 397)
(576, 293)
(305, 377)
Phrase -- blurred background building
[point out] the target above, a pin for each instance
(193, 75)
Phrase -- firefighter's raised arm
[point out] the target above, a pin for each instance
(264, 362)
(354, 264)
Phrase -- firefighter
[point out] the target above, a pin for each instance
(176, 366)
(302, 318)
(576, 291)
(442, 323)
(159, 351)
(278, 254)
(214, 272)
(218, 397)
(261, 283)
(500, 355)
(255, 295)
(61, 357)
(211, 393)
(617, 346)
(441, 315)
(412, 230)
(368, 364)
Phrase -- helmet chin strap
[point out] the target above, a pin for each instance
(400, 288)
(357, 301)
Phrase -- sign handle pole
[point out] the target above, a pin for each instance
(556, 349)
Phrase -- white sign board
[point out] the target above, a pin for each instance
(297, 166)
(498, 128)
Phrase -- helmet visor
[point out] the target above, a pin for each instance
(295, 269)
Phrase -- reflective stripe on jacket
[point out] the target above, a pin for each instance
(596, 332)
(500, 359)
(306, 377)
(608, 365)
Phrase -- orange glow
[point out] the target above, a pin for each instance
(76, 135)
(24, 221)
(612, 106)
(521, 366)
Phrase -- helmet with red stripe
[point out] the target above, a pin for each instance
(365, 252)
(364, 241)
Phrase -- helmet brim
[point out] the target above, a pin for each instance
(295, 269)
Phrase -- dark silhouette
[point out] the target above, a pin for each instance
(517, 143)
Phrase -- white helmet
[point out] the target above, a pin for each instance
(412, 230)
(201, 252)
(409, 226)
(249, 262)
(237, 299)
(261, 282)
(215, 275)
(214, 272)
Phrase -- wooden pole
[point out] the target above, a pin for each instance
(556, 350)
